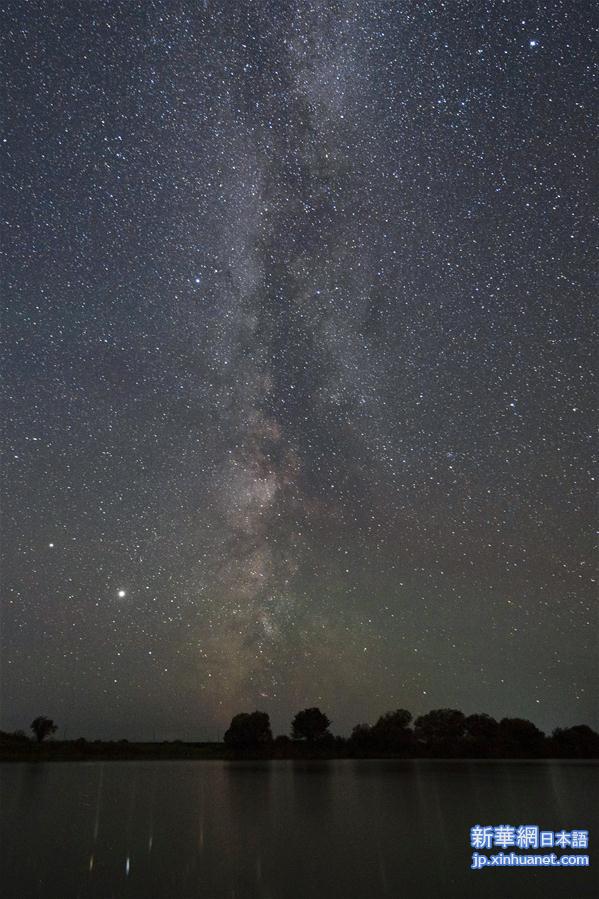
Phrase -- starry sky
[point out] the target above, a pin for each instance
(298, 374)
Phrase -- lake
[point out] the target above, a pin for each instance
(343, 829)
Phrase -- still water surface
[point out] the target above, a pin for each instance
(283, 830)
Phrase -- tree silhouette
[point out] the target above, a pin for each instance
(481, 726)
(481, 734)
(392, 732)
(519, 738)
(441, 730)
(249, 731)
(361, 739)
(42, 727)
(580, 741)
(310, 724)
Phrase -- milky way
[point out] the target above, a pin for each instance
(298, 334)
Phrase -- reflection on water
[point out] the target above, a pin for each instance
(282, 830)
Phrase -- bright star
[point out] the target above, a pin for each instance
(533, 43)
(121, 594)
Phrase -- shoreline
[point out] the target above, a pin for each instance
(139, 752)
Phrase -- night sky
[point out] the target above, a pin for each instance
(297, 336)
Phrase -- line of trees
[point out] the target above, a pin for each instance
(441, 733)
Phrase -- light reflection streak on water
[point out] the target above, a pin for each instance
(98, 803)
(382, 872)
(152, 807)
(130, 827)
(430, 805)
(554, 778)
(200, 782)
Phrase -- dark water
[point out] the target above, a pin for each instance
(283, 830)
